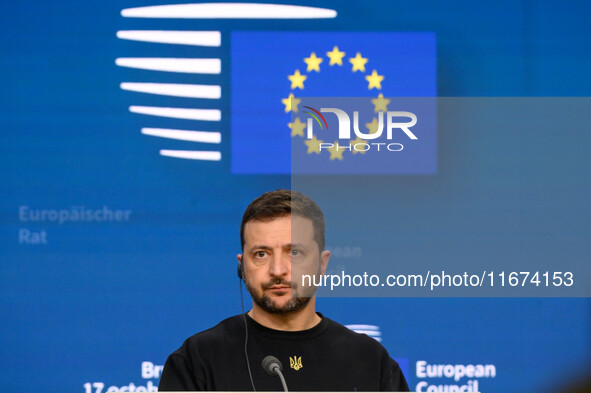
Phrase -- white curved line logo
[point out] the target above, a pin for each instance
(175, 89)
(229, 11)
(372, 331)
(201, 66)
(196, 38)
(189, 66)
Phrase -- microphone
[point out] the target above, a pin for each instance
(273, 366)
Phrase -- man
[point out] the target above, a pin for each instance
(282, 236)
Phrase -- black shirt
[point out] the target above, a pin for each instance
(327, 357)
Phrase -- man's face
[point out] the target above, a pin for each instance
(276, 254)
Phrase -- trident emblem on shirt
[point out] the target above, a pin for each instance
(295, 362)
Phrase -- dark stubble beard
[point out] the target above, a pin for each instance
(295, 304)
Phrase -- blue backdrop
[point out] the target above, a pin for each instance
(112, 254)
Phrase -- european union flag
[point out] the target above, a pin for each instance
(270, 70)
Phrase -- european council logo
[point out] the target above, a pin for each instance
(284, 83)
(185, 85)
(374, 332)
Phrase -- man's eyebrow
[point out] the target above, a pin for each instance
(259, 247)
(285, 246)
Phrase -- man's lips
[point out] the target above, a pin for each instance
(279, 289)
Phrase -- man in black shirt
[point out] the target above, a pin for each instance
(282, 237)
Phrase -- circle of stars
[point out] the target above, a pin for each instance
(313, 64)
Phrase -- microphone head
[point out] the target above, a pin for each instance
(271, 364)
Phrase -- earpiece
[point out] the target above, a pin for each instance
(240, 272)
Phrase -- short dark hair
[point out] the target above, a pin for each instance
(281, 203)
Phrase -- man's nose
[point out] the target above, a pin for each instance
(279, 265)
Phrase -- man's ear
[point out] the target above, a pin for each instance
(324, 257)
(240, 267)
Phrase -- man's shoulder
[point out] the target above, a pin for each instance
(222, 334)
